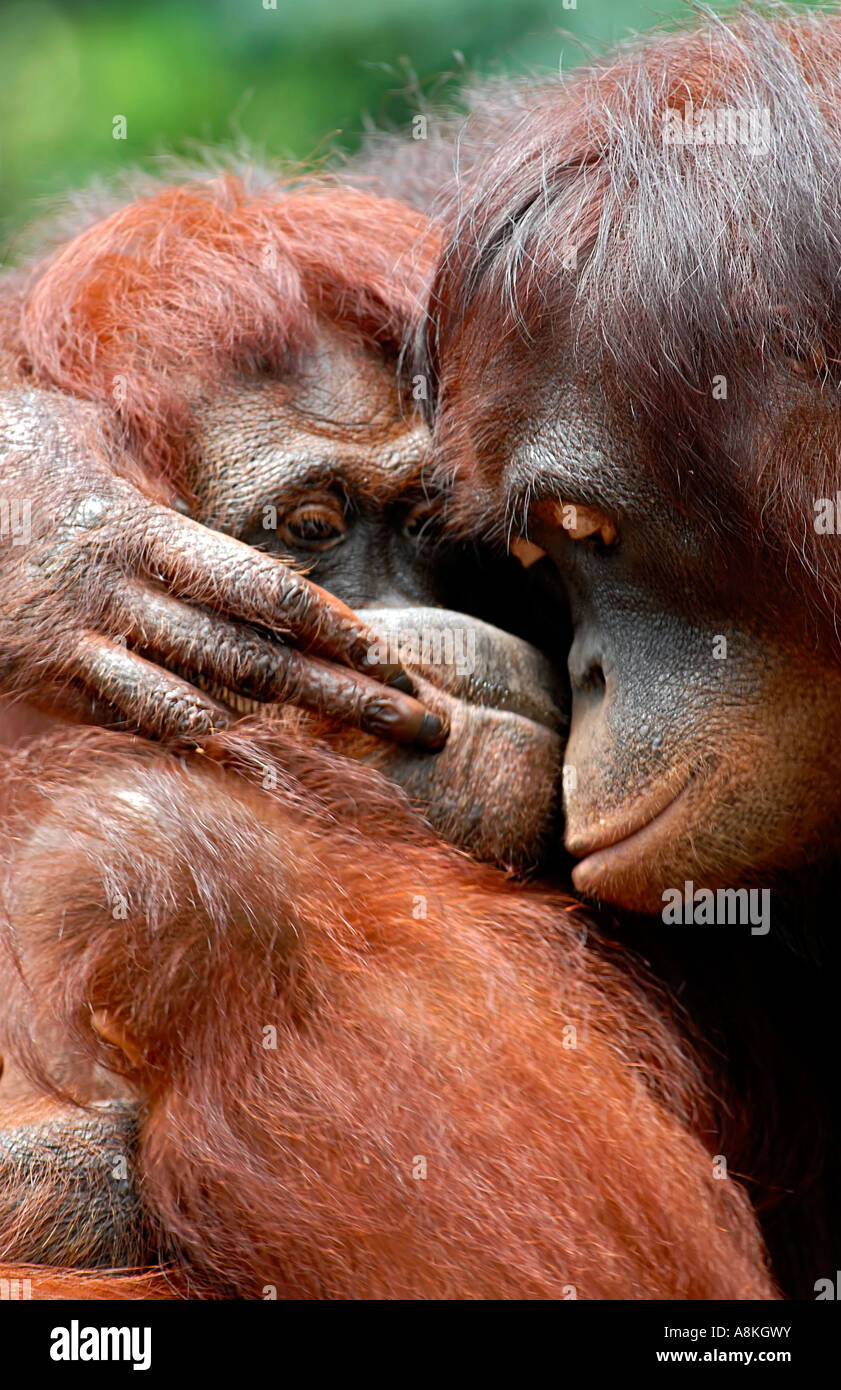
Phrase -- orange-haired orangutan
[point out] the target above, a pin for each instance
(638, 347)
(106, 585)
(313, 421)
(337, 1057)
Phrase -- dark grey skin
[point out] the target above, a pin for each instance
(69, 1183)
(692, 759)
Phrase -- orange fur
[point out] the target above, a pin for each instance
(421, 1003)
(182, 288)
(43, 1283)
(421, 1019)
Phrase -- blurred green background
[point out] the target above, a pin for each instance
(289, 77)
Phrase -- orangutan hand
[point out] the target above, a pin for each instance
(117, 604)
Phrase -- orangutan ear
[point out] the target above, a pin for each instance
(113, 1032)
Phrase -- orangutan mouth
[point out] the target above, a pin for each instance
(624, 848)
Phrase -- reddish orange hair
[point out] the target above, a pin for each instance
(192, 283)
(346, 1096)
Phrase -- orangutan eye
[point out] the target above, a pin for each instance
(314, 525)
(580, 523)
(422, 520)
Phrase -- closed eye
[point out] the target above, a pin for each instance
(579, 522)
(582, 522)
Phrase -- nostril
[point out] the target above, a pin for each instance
(592, 680)
(586, 668)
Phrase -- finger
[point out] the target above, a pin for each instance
(151, 699)
(241, 661)
(208, 567)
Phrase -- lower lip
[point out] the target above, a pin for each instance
(616, 861)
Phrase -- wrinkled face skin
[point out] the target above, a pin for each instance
(324, 468)
(688, 758)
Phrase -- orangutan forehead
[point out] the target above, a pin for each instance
(679, 200)
(275, 442)
(334, 384)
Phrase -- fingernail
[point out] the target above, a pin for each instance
(404, 723)
(402, 681)
(433, 731)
